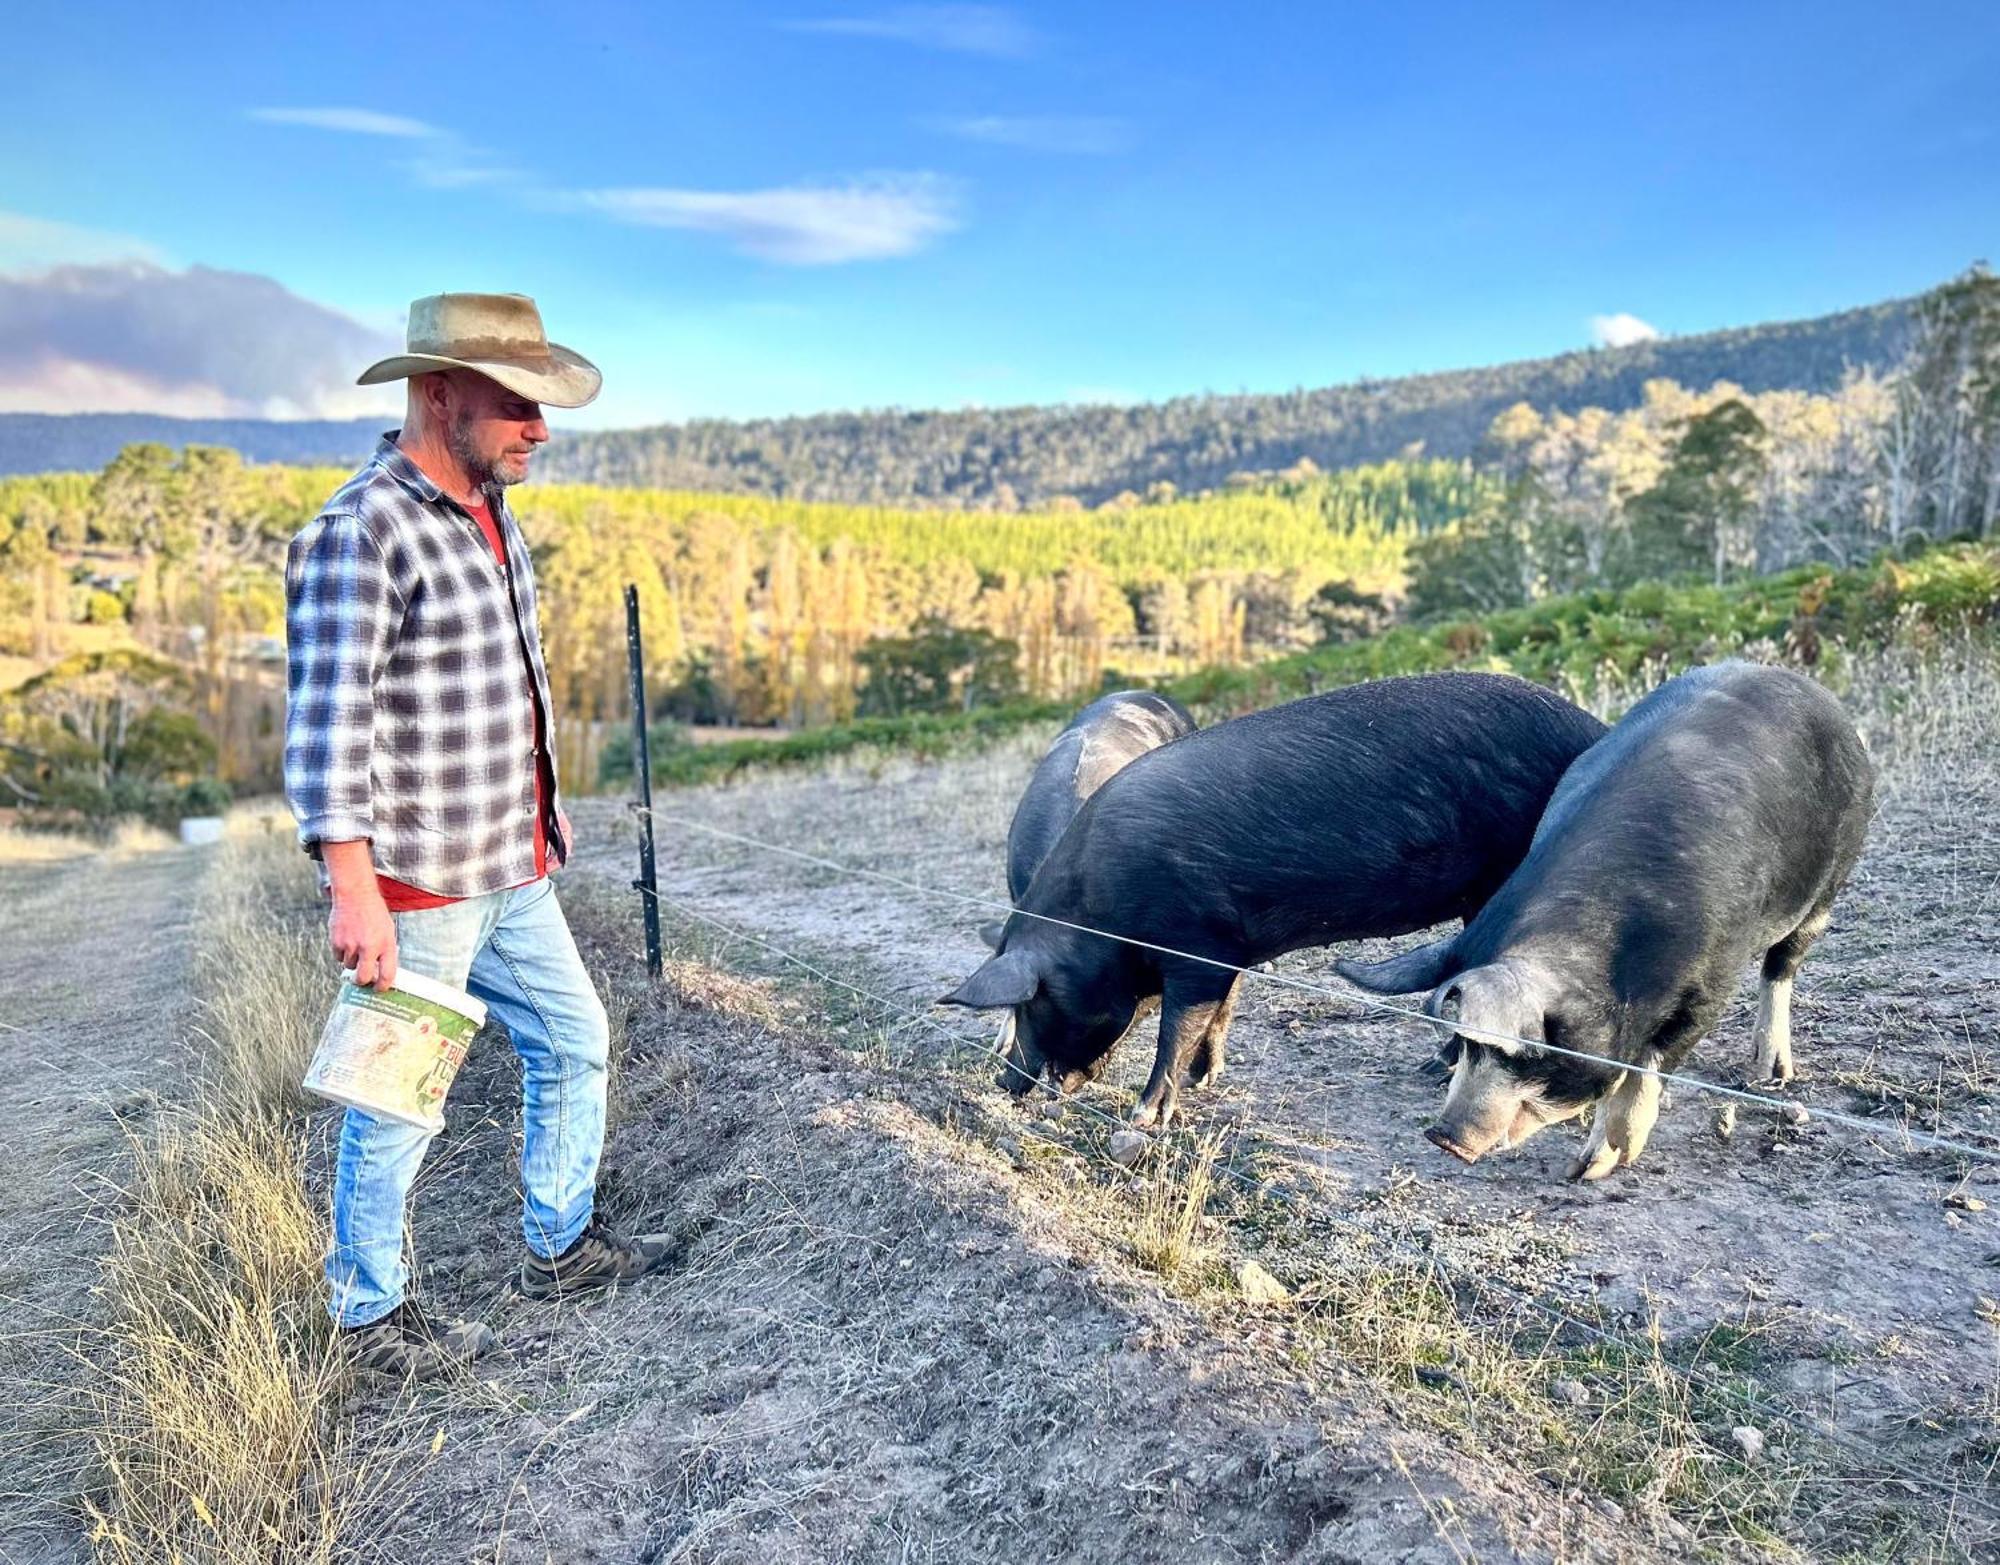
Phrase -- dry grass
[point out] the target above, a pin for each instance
(48, 847)
(263, 977)
(212, 1412)
(214, 1399)
(1167, 1225)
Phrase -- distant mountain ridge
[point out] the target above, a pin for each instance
(1023, 456)
(84, 442)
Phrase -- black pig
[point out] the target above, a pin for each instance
(1371, 810)
(1710, 828)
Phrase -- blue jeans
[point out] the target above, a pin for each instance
(513, 950)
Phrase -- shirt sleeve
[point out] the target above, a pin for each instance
(342, 613)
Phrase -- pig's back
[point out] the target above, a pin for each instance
(1100, 741)
(1726, 804)
(1373, 809)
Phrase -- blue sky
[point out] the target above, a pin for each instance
(768, 208)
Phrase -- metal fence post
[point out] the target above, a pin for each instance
(648, 884)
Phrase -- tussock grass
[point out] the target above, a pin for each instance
(264, 983)
(214, 1397)
(212, 1412)
(1166, 1231)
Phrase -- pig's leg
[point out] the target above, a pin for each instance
(1618, 1131)
(1205, 1068)
(1187, 1007)
(1773, 1059)
(1628, 1112)
(1773, 1043)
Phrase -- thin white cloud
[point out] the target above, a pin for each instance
(27, 243)
(450, 164)
(439, 159)
(1090, 135)
(1621, 330)
(132, 336)
(802, 225)
(956, 29)
(355, 122)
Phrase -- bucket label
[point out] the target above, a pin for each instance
(391, 1053)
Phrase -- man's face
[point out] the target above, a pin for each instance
(493, 431)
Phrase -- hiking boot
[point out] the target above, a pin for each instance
(597, 1258)
(407, 1344)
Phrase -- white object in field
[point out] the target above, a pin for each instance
(394, 1052)
(199, 830)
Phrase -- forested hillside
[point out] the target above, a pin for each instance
(1014, 458)
(758, 611)
(1006, 458)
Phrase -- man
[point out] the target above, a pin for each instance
(418, 763)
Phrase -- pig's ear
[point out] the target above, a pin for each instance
(1495, 1004)
(1007, 979)
(991, 934)
(1423, 968)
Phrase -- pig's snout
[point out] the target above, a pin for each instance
(1442, 1137)
(1017, 1071)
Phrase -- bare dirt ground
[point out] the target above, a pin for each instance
(1853, 1276)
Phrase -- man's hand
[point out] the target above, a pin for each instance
(361, 930)
(568, 836)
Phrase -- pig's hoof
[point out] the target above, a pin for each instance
(1594, 1162)
(1151, 1116)
(1435, 1066)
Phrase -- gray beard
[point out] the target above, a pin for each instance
(482, 473)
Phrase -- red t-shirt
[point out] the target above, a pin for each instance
(403, 898)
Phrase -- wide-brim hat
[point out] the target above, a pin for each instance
(500, 336)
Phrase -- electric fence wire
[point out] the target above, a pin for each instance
(1792, 1111)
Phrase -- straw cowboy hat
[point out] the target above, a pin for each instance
(497, 334)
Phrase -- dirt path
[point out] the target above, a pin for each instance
(94, 957)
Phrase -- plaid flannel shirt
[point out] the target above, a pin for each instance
(409, 652)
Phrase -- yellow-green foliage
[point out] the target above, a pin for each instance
(1351, 526)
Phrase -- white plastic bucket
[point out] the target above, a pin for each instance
(394, 1052)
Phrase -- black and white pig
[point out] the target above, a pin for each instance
(1106, 735)
(1711, 828)
(1371, 810)
(1102, 739)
